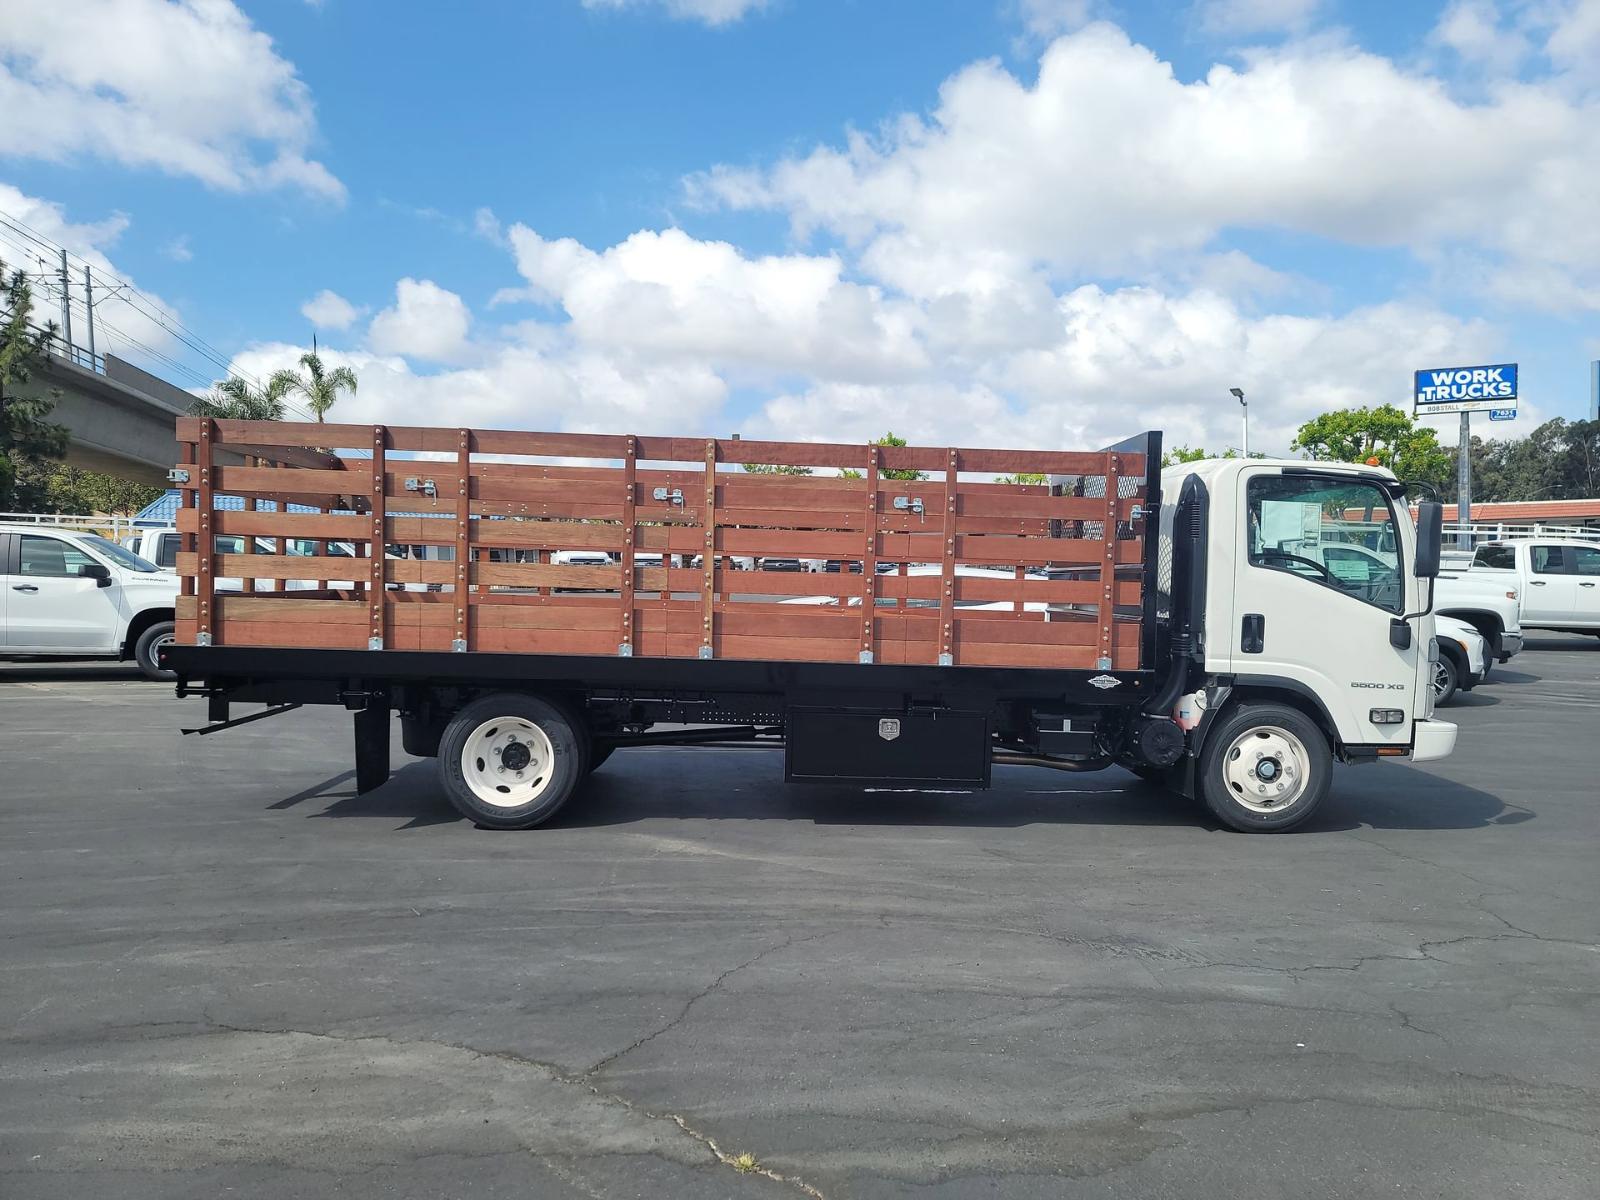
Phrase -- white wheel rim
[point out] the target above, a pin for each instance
(165, 639)
(1267, 769)
(1441, 680)
(508, 762)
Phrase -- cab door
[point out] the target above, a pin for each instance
(1586, 567)
(1321, 575)
(1552, 593)
(50, 607)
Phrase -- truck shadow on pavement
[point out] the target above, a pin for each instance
(1378, 796)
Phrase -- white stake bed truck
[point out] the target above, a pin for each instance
(1184, 625)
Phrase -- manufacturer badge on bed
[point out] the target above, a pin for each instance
(889, 728)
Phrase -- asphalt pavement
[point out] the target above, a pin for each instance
(226, 974)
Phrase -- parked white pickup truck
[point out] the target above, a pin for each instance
(69, 594)
(1559, 580)
(1489, 605)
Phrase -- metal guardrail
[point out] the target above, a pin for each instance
(1502, 531)
(116, 528)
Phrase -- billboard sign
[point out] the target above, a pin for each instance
(1502, 414)
(1465, 389)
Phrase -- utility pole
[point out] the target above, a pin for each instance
(88, 303)
(1464, 483)
(66, 304)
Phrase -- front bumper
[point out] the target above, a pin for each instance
(1433, 739)
(1510, 643)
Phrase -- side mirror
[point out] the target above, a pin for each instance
(98, 572)
(1430, 534)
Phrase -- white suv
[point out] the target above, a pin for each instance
(77, 595)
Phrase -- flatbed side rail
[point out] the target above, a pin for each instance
(509, 542)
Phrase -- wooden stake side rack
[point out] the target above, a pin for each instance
(1061, 584)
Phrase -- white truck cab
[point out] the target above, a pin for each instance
(66, 593)
(1287, 629)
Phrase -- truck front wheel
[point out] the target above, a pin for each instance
(510, 761)
(1265, 768)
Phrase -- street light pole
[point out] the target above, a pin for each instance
(1244, 441)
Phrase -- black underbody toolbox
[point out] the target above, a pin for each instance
(878, 747)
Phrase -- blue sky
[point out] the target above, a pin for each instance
(1027, 221)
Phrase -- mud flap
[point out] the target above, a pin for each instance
(372, 747)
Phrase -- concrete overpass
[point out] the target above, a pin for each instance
(121, 420)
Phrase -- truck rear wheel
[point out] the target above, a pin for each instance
(510, 761)
(1265, 768)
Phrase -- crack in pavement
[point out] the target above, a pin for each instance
(701, 995)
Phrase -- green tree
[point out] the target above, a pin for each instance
(773, 469)
(1183, 454)
(27, 435)
(319, 386)
(74, 490)
(1385, 433)
(234, 399)
(1028, 477)
(890, 439)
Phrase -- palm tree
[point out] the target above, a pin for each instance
(321, 391)
(234, 399)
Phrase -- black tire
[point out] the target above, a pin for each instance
(562, 767)
(1446, 679)
(598, 756)
(144, 651)
(1227, 745)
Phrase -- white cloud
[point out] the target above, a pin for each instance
(1048, 18)
(190, 88)
(178, 249)
(709, 12)
(426, 323)
(329, 310)
(675, 297)
(1110, 164)
(518, 387)
(1246, 17)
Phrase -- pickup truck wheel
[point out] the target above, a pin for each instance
(1446, 679)
(162, 633)
(510, 761)
(1265, 768)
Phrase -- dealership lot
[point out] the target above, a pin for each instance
(226, 971)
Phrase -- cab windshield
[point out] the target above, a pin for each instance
(121, 555)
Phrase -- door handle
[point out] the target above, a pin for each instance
(24, 587)
(1585, 584)
(1253, 633)
(1536, 582)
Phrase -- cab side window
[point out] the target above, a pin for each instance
(1551, 560)
(47, 557)
(1502, 558)
(1588, 560)
(1331, 533)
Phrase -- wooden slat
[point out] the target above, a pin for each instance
(1108, 566)
(205, 547)
(869, 560)
(377, 567)
(630, 497)
(947, 552)
(462, 584)
(708, 555)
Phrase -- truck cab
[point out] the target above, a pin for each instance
(65, 593)
(1308, 656)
